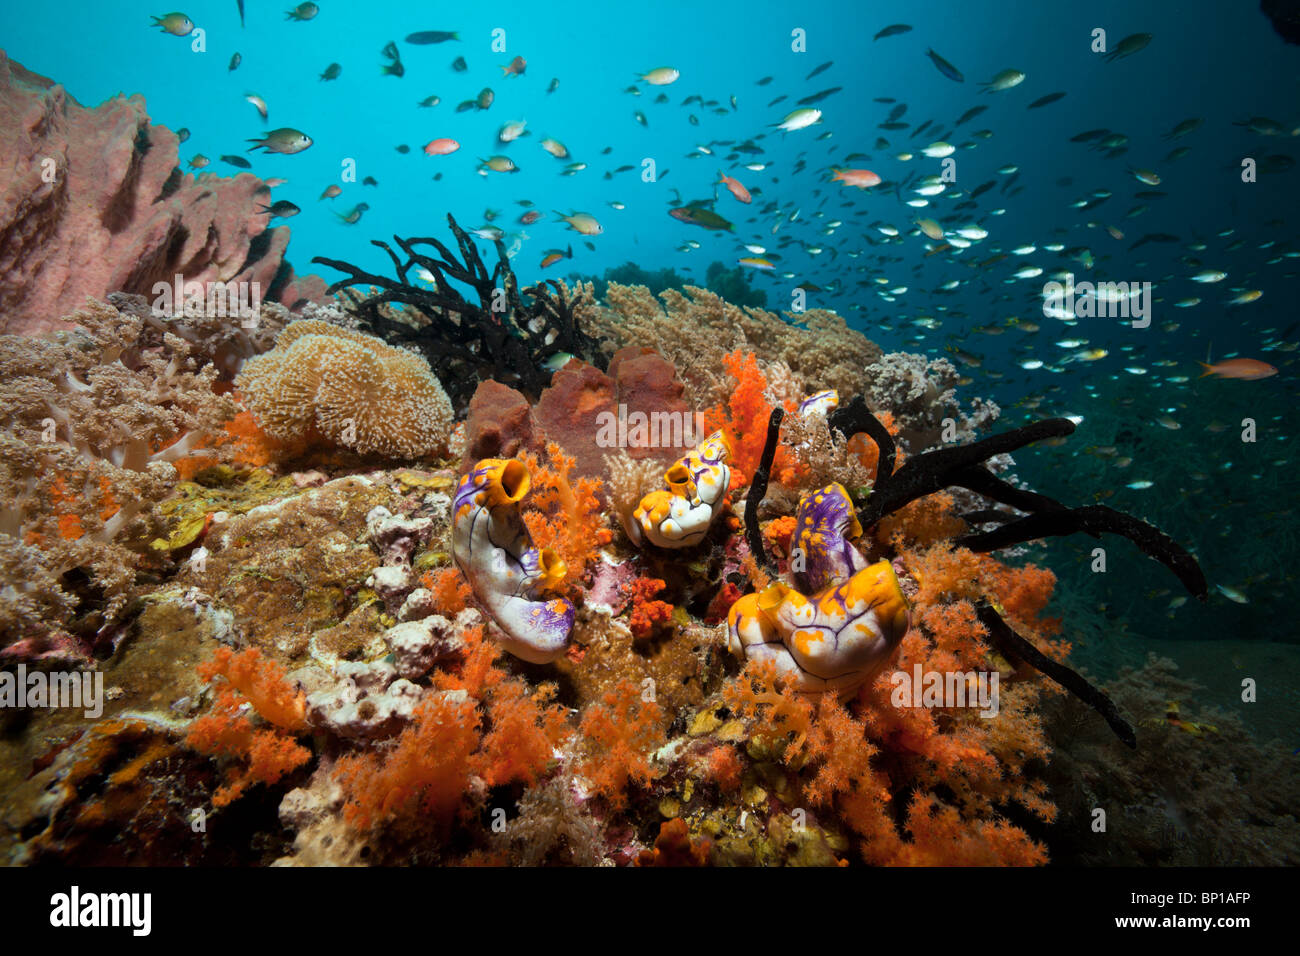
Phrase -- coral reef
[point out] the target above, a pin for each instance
(96, 203)
(695, 328)
(342, 658)
(1185, 797)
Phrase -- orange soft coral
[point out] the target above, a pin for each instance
(484, 725)
(674, 847)
(725, 768)
(263, 682)
(941, 837)
(981, 761)
(451, 592)
(523, 728)
(835, 751)
(778, 531)
(925, 521)
(426, 773)
(745, 419)
(647, 614)
(265, 754)
(565, 515)
(620, 732)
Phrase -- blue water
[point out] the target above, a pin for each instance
(1218, 61)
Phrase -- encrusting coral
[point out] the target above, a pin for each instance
(353, 389)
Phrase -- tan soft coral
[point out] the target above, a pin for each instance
(694, 328)
(352, 389)
(93, 420)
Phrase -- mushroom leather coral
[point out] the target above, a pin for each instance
(354, 389)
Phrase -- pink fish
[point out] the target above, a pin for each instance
(441, 147)
(862, 178)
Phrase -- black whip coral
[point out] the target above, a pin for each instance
(963, 467)
(509, 335)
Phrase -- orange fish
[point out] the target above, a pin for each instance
(737, 190)
(862, 178)
(1248, 370)
(555, 255)
(441, 147)
(515, 67)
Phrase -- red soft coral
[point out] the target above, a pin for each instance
(646, 614)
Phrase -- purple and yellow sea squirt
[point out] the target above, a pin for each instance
(844, 631)
(507, 574)
(679, 516)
